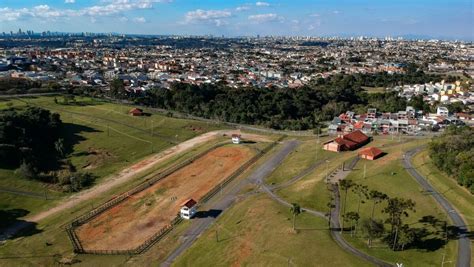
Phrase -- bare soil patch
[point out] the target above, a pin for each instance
(133, 221)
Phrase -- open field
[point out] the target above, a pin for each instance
(131, 222)
(387, 175)
(102, 139)
(257, 231)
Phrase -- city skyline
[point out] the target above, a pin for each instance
(421, 19)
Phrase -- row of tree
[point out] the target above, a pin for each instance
(400, 234)
(279, 108)
(453, 153)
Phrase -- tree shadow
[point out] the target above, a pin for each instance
(72, 135)
(11, 222)
(208, 213)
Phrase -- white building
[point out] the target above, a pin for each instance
(236, 138)
(188, 209)
(442, 111)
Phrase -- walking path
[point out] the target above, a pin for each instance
(334, 219)
(464, 248)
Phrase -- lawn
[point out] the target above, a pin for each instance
(103, 139)
(387, 175)
(306, 154)
(258, 231)
(311, 191)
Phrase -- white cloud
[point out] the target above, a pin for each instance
(262, 4)
(209, 16)
(104, 8)
(139, 20)
(69, 1)
(315, 15)
(336, 12)
(242, 8)
(8, 14)
(264, 17)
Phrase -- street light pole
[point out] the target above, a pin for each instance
(327, 171)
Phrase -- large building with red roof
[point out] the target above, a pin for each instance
(350, 141)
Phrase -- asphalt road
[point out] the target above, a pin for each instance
(199, 225)
(464, 248)
(335, 227)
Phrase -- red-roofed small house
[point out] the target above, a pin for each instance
(370, 153)
(136, 112)
(188, 209)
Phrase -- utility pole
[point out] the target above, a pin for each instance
(151, 127)
(365, 169)
(108, 130)
(327, 171)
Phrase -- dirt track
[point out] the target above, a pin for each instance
(130, 223)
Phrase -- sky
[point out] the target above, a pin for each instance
(444, 19)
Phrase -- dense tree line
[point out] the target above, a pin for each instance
(28, 136)
(412, 75)
(453, 153)
(279, 108)
(23, 86)
(31, 142)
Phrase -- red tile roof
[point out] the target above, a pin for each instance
(357, 137)
(189, 203)
(371, 151)
(135, 111)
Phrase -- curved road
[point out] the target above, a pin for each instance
(334, 219)
(464, 248)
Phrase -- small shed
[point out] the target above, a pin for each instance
(136, 112)
(370, 153)
(236, 138)
(188, 209)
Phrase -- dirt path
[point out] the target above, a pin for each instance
(116, 180)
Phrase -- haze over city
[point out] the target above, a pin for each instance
(442, 19)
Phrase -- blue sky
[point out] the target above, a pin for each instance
(435, 18)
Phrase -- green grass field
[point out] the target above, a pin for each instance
(258, 232)
(104, 139)
(387, 175)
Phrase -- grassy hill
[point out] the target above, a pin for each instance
(103, 139)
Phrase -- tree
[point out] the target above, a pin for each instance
(406, 236)
(372, 229)
(397, 208)
(376, 197)
(117, 89)
(295, 210)
(60, 148)
(28, 170)
(352, 217)
(362, 192)
(345, 185)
